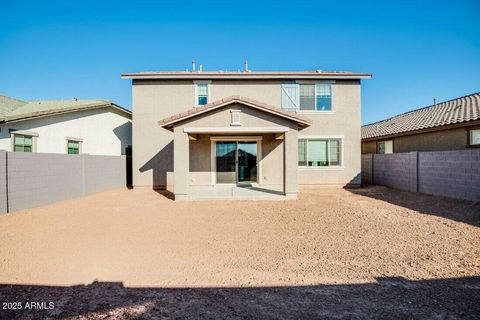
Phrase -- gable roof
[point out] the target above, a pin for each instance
(17, 110)
(170, 121)
(314, 74)
(456, 111)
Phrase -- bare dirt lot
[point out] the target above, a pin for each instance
(366, 253)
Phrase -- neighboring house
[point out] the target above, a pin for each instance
(280, 129)
(96, 127)
(449, 125)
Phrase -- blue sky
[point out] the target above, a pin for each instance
(417, 50)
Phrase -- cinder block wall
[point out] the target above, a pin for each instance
(367, 162)
(36, 179)
(103, 173)
(395, 170)
(453, 174)
(3, 181)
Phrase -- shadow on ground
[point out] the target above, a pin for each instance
(166, 193)
(390, 298)
(457, 210)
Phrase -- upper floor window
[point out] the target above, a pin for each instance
(324, 97)
(474, 137)
(319, 152)
(307, 97)
(202, 93)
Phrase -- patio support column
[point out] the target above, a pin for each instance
(181, 164)
(290, 160)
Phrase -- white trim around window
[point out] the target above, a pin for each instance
(316, 83)
(209, 91)
(73, 139)
(328, 138)
(31, 134)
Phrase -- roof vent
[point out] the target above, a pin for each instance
(200, 68)
(246, 66)
(193, 65)
(318, 71)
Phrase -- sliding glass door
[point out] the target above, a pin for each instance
(236, 161)
(226, 161)
(247, 161)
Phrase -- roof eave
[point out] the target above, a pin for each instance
(64, 111)
(245, 76)
(469, 123)
(170, 124)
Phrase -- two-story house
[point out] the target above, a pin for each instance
(265, 130)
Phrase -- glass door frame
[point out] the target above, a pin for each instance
(213, 162)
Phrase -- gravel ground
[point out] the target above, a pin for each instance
(366, 253)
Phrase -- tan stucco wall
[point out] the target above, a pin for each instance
(369, 147)
(343, 121)
(156, 99)
(271, 161)
(453, 139)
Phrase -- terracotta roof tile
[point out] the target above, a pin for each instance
(233, 99)
(449, 112)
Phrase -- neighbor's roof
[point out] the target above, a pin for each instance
(450, 112)
(16, 110)
(316, 74)
(8, 104)
(168, 122)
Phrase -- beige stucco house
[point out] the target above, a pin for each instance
(270, 131)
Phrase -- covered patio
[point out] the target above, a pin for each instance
(235, 148)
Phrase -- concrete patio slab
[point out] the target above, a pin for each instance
(237, 192)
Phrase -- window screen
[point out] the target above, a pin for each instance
(307, 97)
(302, 152)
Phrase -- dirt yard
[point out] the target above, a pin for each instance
(367, 253)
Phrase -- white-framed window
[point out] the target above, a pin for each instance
(384, 147)
(310, 96)
(23, 143)
(323, 97)
(202, 90)
(307, 97)
(320, 152)
(74, 145)
(474, 137)
(235, 117)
